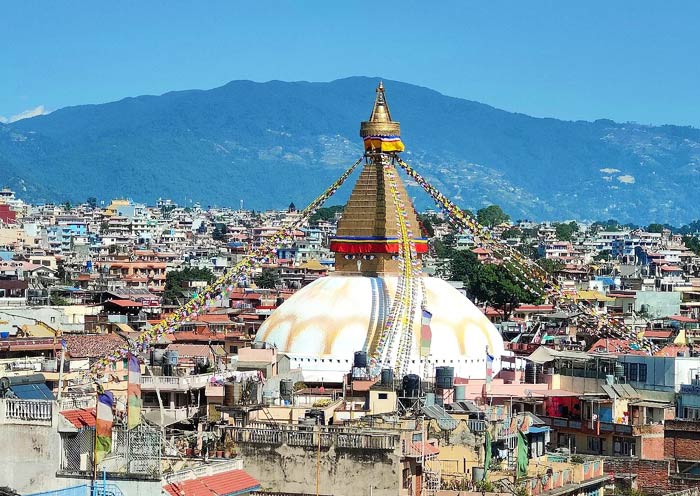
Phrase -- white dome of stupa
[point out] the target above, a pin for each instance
(322, 325)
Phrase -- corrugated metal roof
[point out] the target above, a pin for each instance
(32, 392)
(444, 420)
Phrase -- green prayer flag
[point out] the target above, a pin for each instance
(522, 456)
(487, 453)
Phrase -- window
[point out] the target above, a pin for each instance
(633, 372)
(383, 396)
(624, 446)
(53, 320)
(642, 372)
(595, 445)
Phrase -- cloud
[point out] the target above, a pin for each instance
(38, 110)
(627, 179)
(608, 170)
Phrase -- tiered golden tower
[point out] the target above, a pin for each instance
(368, 240)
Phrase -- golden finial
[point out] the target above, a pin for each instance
(380, 123)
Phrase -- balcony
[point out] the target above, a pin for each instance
(174, 383)
(585, 425)
(35, 412)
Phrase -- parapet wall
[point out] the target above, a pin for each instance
(343, 472)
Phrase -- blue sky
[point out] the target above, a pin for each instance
(625, 60)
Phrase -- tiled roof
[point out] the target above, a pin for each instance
(83, 417)
(228, 483)
(92, 345)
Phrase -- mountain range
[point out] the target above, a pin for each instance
(273, 143)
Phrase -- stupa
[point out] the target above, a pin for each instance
(322, 325)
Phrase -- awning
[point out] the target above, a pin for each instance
(125, 328)
(537, 430)
(652, 404)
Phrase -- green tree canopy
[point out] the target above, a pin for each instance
(655, 228)
(551, 265)
(463, 265)
(325, 214)
(491, 216)
(268, 279)
(565, 231)
(176, 281)
(495, 285)
(692, 243)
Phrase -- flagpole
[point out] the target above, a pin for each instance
(60, 371)
(94, 442)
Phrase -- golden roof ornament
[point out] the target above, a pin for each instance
(380, 123)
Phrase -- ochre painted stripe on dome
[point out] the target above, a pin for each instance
(372, 247)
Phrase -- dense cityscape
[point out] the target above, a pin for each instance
(349, 248)
(81, 281)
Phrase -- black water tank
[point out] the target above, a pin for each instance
(387, 378)
(318, 415)
(411, 386)
(360, 360)
(444, 377)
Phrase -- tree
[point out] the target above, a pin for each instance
(655, 228)
(692, 243)
(565, 231)
(92, 202)
(220, 231)
(426, 222)
(325, 214)
(511, 233)
(268, 279)
(495, 285)
(463, 265)
(176, 281)
(551, 265)
(491, 216)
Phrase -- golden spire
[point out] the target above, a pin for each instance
(380, 123)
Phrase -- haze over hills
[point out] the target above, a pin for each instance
(276, 142)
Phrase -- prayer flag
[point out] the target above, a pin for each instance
(426, 334)
(103, 427)
(489, 370)
(134, 393)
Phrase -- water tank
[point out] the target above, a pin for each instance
(444, 377)
(619, 370)
(170, 357)
(411, 386)
(319, 415)
(167, 369)
(477, 474)
(157, 355)
(460, 392)
(387, 379)
(258, 345)
(286, 389)
(360, 361)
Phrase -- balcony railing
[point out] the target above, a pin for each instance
(278, 435)
(174, 383)
(14, 411)
(587, 426)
